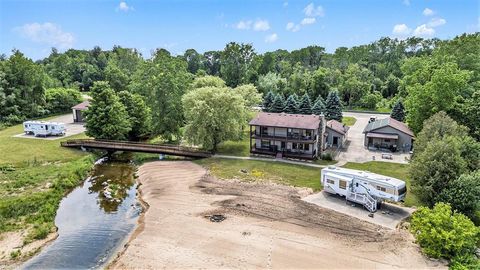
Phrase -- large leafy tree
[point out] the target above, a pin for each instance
(138, 114)
(463, 194)
(60, 100)
(250, 95)
(432, 86)
(194, 60)
(163, 81)
(106, 117)
(213, 115)
(333, 107)
(236, 64)
(271, 82)
(208, 81)
(398, 111)
(305, 105)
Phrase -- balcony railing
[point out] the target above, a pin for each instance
(289, 136)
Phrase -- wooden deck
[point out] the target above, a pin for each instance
(137, 147)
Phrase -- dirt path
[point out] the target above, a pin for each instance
(267, 226)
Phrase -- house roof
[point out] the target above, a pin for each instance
(82, 106)
(286, 120)
(337, 126)
(402, 127)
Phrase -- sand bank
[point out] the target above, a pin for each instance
(267, 226)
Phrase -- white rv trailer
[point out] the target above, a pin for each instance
(362, 187)
(41, 128)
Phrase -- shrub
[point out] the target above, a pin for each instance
(443, 233)
(327, 156)
(465, 262)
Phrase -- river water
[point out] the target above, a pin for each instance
(94, 220)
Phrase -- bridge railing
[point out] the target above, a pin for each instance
(127, 144)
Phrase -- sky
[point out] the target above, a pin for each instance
(35, 26)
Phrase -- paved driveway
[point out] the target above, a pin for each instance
(355, 151)
(67, 119)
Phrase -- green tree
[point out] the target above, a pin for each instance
(319, 107)
(277, 105)
(291, 105)
(432, 86)
(268, 101)
(443, 233)
(59, 100)
(162, 81)
(463, 194)
(305, 105)
(333, 107)
(433, 169)
(250, 95)
(370, 100)
(193, 59)
(236, 61)
(213, 115)
(117, 79)
(138, 113)
(398, 111)
(208, 81)
(106, 117)
(271, 82)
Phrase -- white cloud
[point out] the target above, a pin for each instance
(436, 22)
(406, 2)
(423, 31)
(271, 38)
(243, 25)
(124, 7)
(428, 12)
(311, 11)
(261, 25)
(46, 33)
(292, 27)
(307, 21)
(401, 30)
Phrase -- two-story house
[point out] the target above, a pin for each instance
(289, 135)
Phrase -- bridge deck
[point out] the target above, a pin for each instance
(137, 147)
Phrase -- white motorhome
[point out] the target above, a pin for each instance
(362, 187)
(41, 128)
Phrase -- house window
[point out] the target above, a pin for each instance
(381, 188)
(342, 184)
(330, 181)
(265, 144)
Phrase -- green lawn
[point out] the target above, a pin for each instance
(349, 121)
(35, 174)
(396, 170)
(288, 174)
(236, 148)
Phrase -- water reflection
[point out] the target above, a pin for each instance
(93, 220)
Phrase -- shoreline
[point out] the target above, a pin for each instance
(259, 232)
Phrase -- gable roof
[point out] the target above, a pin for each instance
(337, 127)
(390, 122)
(286, 120)
(82, 106)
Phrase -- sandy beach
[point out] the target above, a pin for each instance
(267, 226)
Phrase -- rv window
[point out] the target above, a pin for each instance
(41, 126)
(342, 184)
(330, 181)
(26, 125)
(381, 188)
(386, 140)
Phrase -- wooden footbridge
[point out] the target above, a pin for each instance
(111, 146)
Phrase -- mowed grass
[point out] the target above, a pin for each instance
(263, 171)
(236, 148)
(349, 120)
(395, 170)
(34, 176)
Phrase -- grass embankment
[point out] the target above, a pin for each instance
(395, 170)
(263, 171)
(35, 174)
(349, 120)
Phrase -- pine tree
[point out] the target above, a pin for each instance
(291, 105)
(398, 111)
(319, 107)
(267, 101)
(305, 105)
(319, 98)
(278, 104)
(333, 108)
